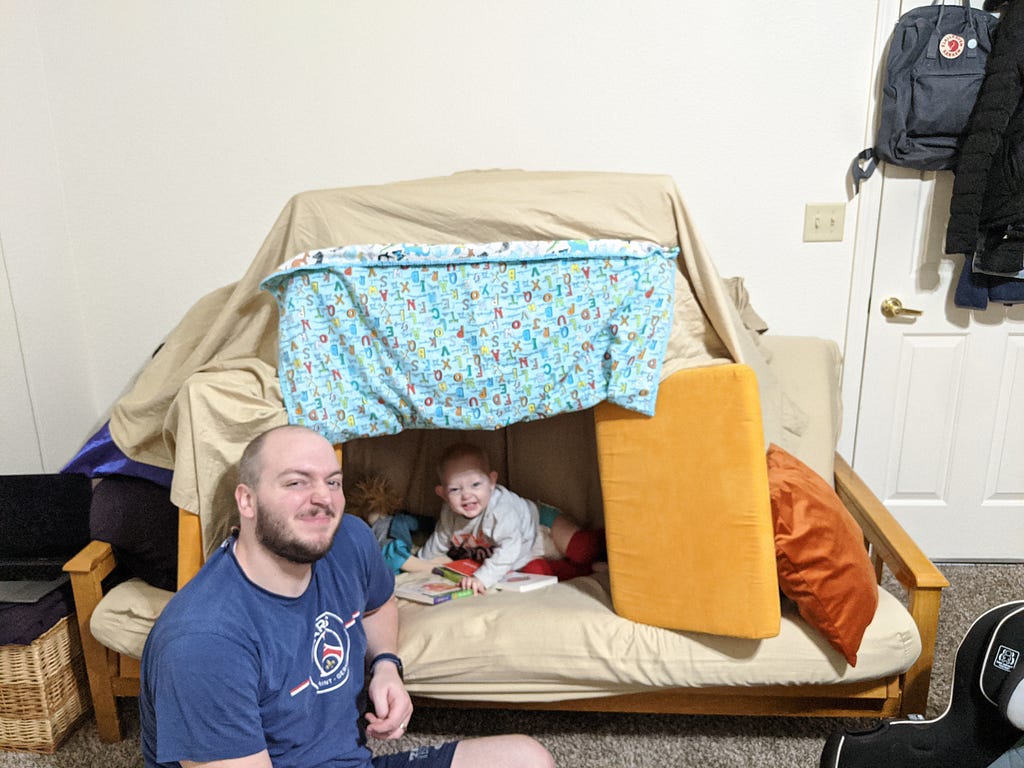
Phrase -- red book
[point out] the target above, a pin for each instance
(457, 570)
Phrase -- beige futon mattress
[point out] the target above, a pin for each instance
(565, 642)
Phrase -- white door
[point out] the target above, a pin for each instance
(940, 429)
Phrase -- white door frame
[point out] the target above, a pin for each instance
(868, 213)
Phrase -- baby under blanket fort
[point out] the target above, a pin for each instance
(375, 339)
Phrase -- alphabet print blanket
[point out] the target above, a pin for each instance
(374, 339)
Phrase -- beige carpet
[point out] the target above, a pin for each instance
(628, 741)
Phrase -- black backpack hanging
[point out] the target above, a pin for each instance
(933, 71)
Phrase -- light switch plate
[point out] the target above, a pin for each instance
(823, 222)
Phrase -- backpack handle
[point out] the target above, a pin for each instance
(965, 3)
(933, 43)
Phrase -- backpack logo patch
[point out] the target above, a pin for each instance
(951, 46)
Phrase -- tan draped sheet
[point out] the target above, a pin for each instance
(213, 386)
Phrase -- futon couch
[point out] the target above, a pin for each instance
(743, 552)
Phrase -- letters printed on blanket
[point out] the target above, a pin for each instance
(375, 339)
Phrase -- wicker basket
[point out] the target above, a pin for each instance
(44, 692)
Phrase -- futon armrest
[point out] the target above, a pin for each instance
(190, 546)
(88, 569)
(892, 546)
(890, 542)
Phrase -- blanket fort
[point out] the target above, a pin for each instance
(375, 339)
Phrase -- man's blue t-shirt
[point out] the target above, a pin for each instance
(231, 669)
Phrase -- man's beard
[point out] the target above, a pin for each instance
(274, 535)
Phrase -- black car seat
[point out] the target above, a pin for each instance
(983, 718)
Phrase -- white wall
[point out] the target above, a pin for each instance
(156, 143)
(48, 377)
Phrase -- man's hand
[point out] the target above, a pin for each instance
(392, 706)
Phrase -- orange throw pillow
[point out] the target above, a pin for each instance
(823, 565)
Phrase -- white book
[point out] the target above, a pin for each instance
(430, 589)
(517, 581)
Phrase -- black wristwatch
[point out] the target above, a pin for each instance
(388, 657)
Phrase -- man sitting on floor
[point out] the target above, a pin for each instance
(259, 660)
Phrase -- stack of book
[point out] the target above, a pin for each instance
(431, 589)
(514, 581)
(442, 585)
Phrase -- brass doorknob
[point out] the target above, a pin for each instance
(893, 307)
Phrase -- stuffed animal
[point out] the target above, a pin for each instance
(375, 500)
(373, 497)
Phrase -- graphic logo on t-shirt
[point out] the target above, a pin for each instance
(470, 546)
(330, 654)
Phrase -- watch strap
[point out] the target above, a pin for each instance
(394, 659)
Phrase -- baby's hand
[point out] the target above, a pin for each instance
(472, 582)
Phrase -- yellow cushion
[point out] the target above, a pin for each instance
(686, 507)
